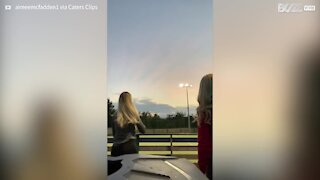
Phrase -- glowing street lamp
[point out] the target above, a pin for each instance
(186, 85)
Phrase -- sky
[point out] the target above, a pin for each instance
(153, 46)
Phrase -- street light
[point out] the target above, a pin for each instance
(186, 85)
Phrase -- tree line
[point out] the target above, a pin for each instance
(154, 121)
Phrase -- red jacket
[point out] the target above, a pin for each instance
(204, 146)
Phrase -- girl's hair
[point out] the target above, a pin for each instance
(127, 111)
(204, 109)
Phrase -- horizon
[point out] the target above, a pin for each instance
(163, 109)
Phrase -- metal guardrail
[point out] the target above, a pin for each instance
(185, 143)
(172, 138)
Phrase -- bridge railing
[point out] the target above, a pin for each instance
(179, 145)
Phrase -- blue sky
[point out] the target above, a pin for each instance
(153, 45)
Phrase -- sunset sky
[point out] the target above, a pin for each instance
(155, 45)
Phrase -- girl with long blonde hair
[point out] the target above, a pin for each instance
(204, 112)
(204, 109)
(124, 126)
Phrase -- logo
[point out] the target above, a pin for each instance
(7, 7)
(309, 8)
(290, 8)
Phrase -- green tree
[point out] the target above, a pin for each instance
(170, 121)
(146, 119)
(193, 122)
(157, 121)
(180, 120)
(111, 113)
(177, 120)
(156, 116)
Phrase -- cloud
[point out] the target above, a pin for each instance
(192, 109)
(162, 110)
(144, 105)
(147, 105)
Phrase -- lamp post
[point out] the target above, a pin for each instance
(186, 85)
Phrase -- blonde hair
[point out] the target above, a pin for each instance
(204, 109)
(127, 111)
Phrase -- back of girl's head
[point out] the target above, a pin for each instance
(127, 112)
(205, 90)
(125, 99)
(204, 109)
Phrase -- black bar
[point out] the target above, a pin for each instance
(171, 144)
